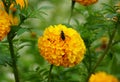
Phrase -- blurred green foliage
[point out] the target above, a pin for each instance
(92, 24)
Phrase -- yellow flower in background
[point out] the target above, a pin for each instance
(61, 46)
(86, 2)
(102, 77)
(4, 24)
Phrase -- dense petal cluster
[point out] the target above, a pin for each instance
(86, 2)
(102, 77)
(4, 24)
(61, 46)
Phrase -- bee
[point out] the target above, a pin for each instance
(62, 35)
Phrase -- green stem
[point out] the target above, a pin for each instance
(105, 52)
(89, 55)
(13, 57)
(49, 77)
(71, 12)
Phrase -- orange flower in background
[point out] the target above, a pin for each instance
(62, 46)
(102, 77)
(33, 34)
(104, 42)
(86, 2)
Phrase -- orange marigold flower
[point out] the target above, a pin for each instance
(4, 24)
(86, 2)
(61, 46)
(102, 77)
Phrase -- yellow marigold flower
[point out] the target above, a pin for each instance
(61, 46)
(4, 24)
(102, 77)
(86, 2)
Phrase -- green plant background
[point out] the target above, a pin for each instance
(89, 21)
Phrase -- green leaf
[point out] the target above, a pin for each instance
(116, 65)
(111, 15)
(5, 60)
(22, 30)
